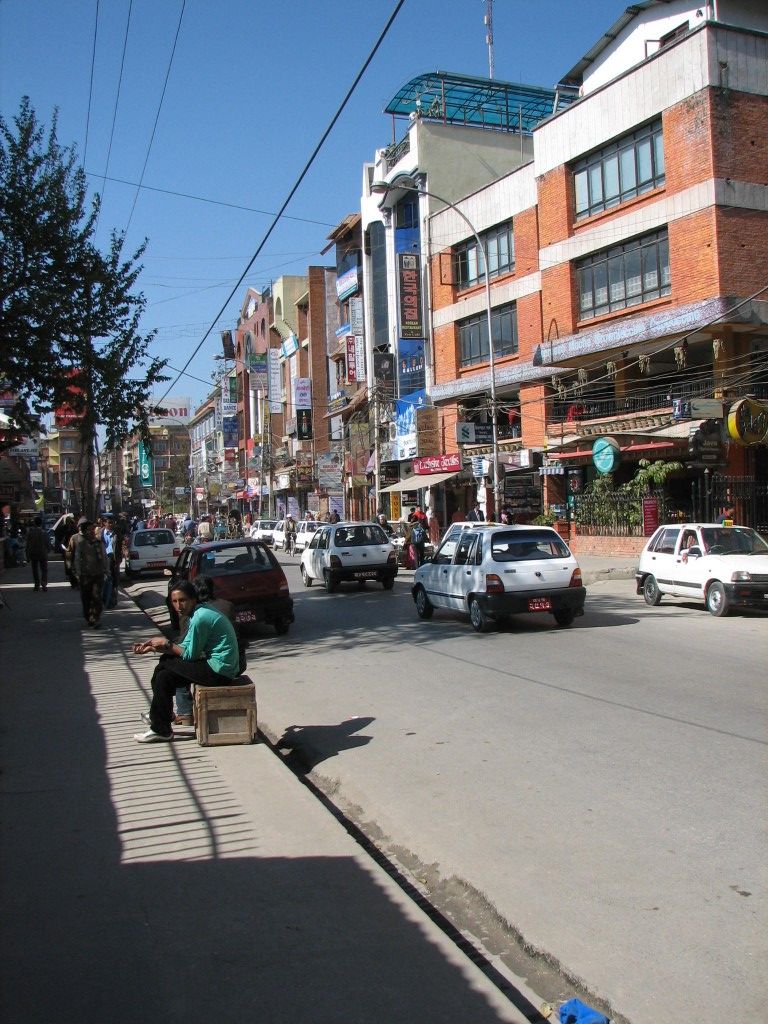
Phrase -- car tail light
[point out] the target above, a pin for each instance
(283, 585)
(335, 562)
(575, 578)
(493, 584)
(133, 554)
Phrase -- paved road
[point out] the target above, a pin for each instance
(597, 791)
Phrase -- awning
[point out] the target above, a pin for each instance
(417, 481)
(581, 452)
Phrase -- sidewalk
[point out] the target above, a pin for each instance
(181, 883)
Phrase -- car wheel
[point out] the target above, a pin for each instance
(480, 621)
(717, 600)
(305, 577)
(329, 582)
(388, 583)
(651, 591)
(424, 607)
(565, 616)
(282, 625)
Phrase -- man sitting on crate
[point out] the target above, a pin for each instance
(208, 655)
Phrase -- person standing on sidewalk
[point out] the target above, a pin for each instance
(37, 553)
(90, 567)
(208, 656)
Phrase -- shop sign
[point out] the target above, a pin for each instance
(289, 346)
(338, 401)
(302, 391)
(606, 454)
(282, 481)
(347, 283)
(146, 467)
(474, 433)
(438, 464)
(520, 459)
(384, 373)
(356, 317)
(351, 361)
(329, 470)
(273, 362)
(360, 357)
(748, 421)
(409, 276)
(650, 516)
(427, 431)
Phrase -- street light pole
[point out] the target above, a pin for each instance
(410, 185)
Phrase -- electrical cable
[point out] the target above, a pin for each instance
(203, 199)
(114, 113)
(157, 117)
(90, 86)
(297, 183)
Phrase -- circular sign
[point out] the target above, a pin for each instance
(605, 454)
(748, 421)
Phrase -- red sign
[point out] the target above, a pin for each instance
(351, 362)
(650, 516)
(438, 464)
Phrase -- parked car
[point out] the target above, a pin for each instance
(724, 567)
(263, 530)
(492, 572)
(278, 535)
(151, 551)
(349, 551)
(305, 530)
(244, 572)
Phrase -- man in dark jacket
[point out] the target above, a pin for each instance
(37, 553)
(90, 566)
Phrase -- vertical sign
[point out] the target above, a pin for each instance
(146, 467)
(351, 362)
(360, 357)
(650, 516)
(409, 277)
(356, 316)
(275, 398)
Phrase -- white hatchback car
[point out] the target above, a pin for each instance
(305, 531)
(721, 566)
(263, 530)
(349, 551)
(493, 572)
(151, 551)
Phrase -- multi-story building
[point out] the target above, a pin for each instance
(170, 444)
(627, 290)
(463, 133)
(204, 473)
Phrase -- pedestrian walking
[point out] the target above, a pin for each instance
(37, 553)
(90, 568)
(475, 514)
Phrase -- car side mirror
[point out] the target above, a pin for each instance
(694, 551)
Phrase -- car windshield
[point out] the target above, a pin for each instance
(359, 536)
(267, 524)
(529, 546)
(733, 540)
(152, 538)
(234, 559)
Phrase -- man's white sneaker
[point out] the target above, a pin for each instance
(151, 737)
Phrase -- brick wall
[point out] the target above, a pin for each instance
(742, 249)
(739, 137)
(693, 257)
(624, 547)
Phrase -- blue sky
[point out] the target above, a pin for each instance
(251, 89)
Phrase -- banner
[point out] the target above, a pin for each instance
(351, 360)
(229, 428)
(303, 424)
(302, 393)
(409, 280)
(275, 397)
(146, 467)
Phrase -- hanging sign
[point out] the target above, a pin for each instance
(605, 455)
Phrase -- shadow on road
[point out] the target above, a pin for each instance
(309, 745)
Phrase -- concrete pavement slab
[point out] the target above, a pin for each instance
(184, 883)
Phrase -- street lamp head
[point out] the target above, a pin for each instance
(405, 181)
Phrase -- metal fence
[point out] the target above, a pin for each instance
(746, 495)
(618, 514)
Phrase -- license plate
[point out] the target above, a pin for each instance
(365, 575)
(245, 616)
(155, 565)
(539, 604)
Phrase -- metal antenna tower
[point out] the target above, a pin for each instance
(488, 19)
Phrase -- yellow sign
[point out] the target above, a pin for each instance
(394, 505)
(748, 421)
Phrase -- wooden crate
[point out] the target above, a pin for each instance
(225, 714)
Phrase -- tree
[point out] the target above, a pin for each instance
(69, 320)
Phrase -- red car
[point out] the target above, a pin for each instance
(244, 572)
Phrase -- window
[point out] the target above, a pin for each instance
(626, 168)
(407, 213)
(665, 542)
(473, 335)
(499, 244)
(624, 275)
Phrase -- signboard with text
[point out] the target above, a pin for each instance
(409, 280)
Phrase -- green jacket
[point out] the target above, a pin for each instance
(212, 636)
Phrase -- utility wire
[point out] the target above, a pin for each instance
(157, 117)
(296, 184)
(203, 199)
(114, 113)
(90, 87)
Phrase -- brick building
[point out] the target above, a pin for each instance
(628, 261)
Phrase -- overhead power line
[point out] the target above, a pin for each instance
(90, 86)
(296, 184)
(114, 112)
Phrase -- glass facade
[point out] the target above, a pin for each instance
(624, 275)
(499, 245)
(626, 168)
(473, 335)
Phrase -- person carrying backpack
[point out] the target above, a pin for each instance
(418, 540)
